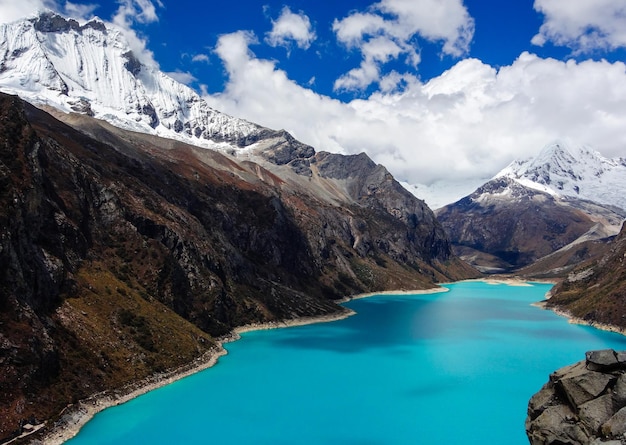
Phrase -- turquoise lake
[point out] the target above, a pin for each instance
(446, 368)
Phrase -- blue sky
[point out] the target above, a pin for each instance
(184, 30)
(435, 90)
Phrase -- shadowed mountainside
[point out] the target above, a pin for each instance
(123, 254)
(504, 226)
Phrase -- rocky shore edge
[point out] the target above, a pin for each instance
(75, 416)
(583, 403)
(578, 320)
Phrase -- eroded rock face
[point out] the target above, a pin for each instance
(584, 403)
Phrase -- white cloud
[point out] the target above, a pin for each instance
(234, 50)
(12, 10)
(352, 30)
(131, 11)
(291, 27)
(399, 22)
(358, 78)
(81, 11)
(182, 77)
(376, 52)
(446, 21)
(467, 123)
(200, 58)
(127, 15)
(582, 25)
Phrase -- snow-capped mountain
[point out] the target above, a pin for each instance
(568, 172)
(556, 201)
(91, 69)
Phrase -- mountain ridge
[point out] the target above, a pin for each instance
(124, 254)
(533, 208)
(566, 172)
(91, 69)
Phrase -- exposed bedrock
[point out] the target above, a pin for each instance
(584, 403)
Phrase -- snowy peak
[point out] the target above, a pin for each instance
(91, 69)
(567, 172)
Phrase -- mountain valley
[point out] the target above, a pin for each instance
(140, 227)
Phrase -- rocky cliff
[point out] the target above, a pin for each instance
(123, 254)
(581, 404)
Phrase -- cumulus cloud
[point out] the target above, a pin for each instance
(582, 25)
(82, 11)
(291, 28)
(446, 21)
(388, 30)
(128, 14)
(469, 122)
(131, 11)
(376, 52)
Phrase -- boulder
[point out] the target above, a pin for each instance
(596, 412)
(586, 387)
(583, 403)
(602, 360)
(616, 425)
(619, 391)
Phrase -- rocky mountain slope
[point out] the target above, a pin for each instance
(534, 208)
(595, 291)
(124, 254)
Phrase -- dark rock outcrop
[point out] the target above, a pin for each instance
(582, 404)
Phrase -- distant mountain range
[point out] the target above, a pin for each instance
(535, 207)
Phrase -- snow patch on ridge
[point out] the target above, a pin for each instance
(566, 172)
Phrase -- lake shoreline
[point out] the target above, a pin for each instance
(577, 320)
(75, 416)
